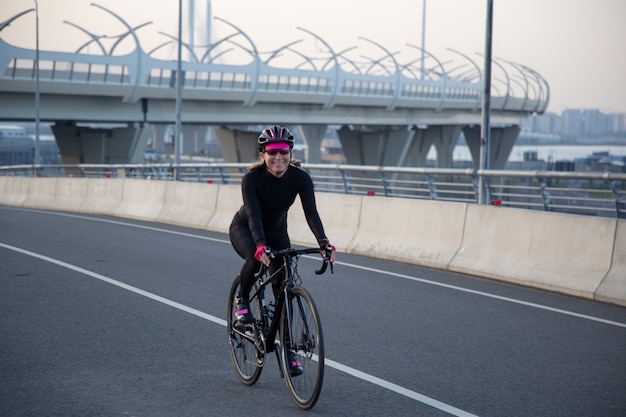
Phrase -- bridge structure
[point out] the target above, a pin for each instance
(390, 110)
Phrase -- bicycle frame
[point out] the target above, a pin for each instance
(269, 329)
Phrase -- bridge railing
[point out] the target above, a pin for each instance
(257, 81)
(586, 193)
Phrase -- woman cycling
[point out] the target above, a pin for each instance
(269, 189)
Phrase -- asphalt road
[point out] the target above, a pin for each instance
(103, 316)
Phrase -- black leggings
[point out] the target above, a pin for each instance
(242, 241)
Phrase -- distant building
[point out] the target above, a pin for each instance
(579, 124)
(18, 148)
(12, 132)
(571, 123)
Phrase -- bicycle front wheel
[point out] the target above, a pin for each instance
(243, 340)
(302, 348)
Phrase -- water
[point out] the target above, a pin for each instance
(544, 152)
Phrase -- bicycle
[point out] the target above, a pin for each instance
(294, 316)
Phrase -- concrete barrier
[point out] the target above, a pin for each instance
(229, 200)
(563, 252)
(579, 255)
(15, 191)
(3, 186)
(340, 219)
(613, 288)
(141, 199)
(426, 233)
(69, 193)
(104, 196)
(65, 194)
(41, 194)
(189, 204)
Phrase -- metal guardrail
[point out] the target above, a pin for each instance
(587, 193)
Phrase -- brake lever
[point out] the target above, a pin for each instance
(323, 268)
(325, 263)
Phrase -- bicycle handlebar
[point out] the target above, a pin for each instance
(291, 252)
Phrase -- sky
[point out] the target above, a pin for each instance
(578, 46)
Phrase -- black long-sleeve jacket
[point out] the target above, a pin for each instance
(267, 199)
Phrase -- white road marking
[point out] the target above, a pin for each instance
(336, 365)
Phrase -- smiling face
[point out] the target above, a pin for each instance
(277, 157)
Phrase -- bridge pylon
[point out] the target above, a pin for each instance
(101, 145)
(502, 142)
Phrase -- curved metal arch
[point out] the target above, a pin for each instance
(138, 52)
(507, 83)
(467, 75)
(396, 93)
(123, 36)
(215, 45)
(276, 52)
(306, 59)
(10, 20)
(247, 50)
(335, 87)
(524, 87)
(156, 48)
(443, 70)
(540, 81)
(341, 55)
(471, 61)
(124, 22)
(409, 68)
(376, 63)
(452, 71)
(411, 64)
(524, 76)
(185, 44)
(94, 38)
(254, 80)
(478, 72)
(444, 74)
(429, 73)
(213, 58)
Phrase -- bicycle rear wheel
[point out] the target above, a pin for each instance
(302, 342)
(242, 341)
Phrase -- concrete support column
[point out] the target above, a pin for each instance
(313, 136)
(380, 146)
(417, 147)
(158, 137)
(502, 141)
(85, 145)
(194, 139)
(238, 145)
(445, 139)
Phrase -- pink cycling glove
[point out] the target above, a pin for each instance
(260, 250)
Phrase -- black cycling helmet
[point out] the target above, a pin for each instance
(273, 134)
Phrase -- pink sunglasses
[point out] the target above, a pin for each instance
(274, 152)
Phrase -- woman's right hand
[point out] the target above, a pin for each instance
(262, 254)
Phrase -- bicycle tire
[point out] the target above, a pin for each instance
(302, 326)
(243, 350)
